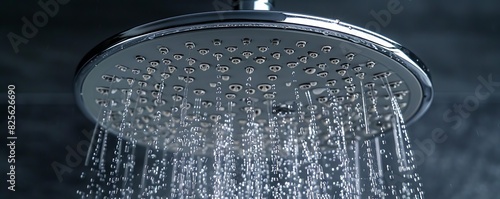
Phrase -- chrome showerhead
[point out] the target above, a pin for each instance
(242, 68)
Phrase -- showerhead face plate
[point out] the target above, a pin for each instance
(245, 70)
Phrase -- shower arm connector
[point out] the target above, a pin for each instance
(253, 4)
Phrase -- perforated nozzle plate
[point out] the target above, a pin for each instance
(159, 83)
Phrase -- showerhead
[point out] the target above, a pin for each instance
(242, 68)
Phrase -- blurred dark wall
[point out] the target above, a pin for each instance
(458, 40)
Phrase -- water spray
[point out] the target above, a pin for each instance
(267, 96)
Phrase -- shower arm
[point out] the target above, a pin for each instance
(253, 4)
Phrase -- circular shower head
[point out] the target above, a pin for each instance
(245, 69)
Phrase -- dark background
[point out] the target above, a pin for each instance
(459, 40)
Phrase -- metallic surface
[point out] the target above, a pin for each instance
(254, 4)
(259, 27)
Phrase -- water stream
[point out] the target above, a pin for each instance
(281, 157)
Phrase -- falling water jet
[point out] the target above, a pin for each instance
(303, 70)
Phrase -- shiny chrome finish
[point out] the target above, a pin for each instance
(254, 4)
(330, 59)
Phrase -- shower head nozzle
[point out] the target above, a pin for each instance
(249, 69)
